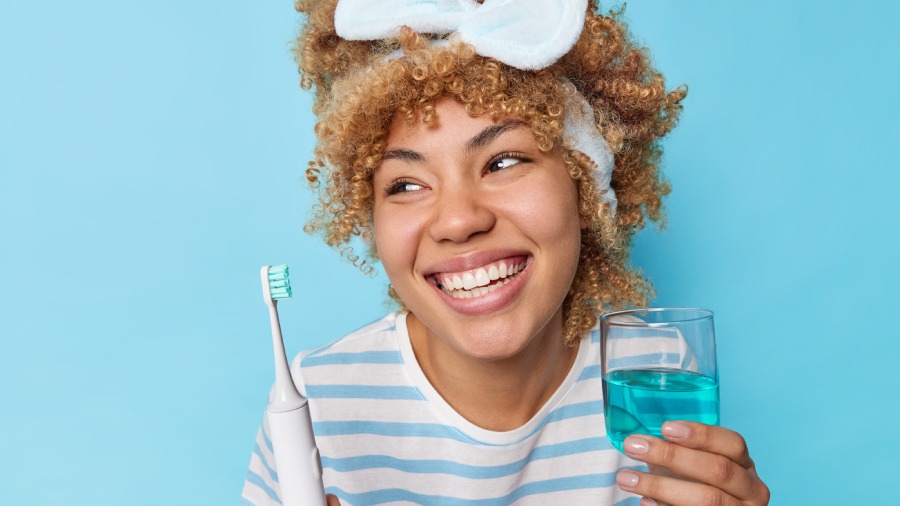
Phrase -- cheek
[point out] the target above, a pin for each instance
(396, 240)
(550, 213)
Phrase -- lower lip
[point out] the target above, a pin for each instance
(491, 301)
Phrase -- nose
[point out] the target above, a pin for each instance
(461, 212)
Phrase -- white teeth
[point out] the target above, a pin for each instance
(479, 282)
(481, 277)
(477, 291)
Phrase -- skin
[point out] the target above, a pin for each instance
(462, 207)
(467, 191)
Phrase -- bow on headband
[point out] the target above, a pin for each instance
(526, 34)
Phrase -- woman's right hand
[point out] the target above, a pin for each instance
(332, 500)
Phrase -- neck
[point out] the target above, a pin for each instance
(501, 394)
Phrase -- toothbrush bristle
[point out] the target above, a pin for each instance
(279, 284)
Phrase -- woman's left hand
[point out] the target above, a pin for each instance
(696, 465)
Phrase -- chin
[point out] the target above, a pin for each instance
(490, 345)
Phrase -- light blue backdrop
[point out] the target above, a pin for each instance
(151, 158)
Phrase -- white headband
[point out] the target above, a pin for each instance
(525, 34)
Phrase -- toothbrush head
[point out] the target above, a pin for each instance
(276, 284)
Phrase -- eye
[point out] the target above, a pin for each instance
(505, 161)
(402, 186)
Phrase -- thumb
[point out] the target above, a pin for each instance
(332, 500)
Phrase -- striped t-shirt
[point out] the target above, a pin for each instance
(387, 437)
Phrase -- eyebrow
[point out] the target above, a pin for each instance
(407, 155)
(492, 132)
(480, 140)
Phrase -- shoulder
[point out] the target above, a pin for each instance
(374, 343)
(375, 336)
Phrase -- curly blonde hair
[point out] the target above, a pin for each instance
(358, 91)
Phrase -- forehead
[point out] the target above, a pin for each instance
(451, 124)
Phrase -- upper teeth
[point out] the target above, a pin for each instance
(479, 277)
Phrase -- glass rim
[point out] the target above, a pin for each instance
(703, 314)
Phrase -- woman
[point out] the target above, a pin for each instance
(496, 159)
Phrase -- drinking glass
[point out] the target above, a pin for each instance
(658, 364)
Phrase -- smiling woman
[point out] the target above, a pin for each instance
(466, 215)
(499, 188)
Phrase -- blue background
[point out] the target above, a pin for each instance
(151, 159)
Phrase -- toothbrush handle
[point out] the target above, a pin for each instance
(297, 459)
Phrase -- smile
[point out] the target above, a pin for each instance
(481, 280)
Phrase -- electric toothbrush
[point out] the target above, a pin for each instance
(290, 427)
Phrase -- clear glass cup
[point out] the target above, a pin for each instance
(658, 364)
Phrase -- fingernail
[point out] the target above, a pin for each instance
(636, 445)
(675, 430)
(626, 479)
(646, 501)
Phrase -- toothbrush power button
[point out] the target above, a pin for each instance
(317, 462)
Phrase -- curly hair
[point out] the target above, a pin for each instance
(359, 90)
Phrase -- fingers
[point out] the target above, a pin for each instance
(704, 467)
(332, 500)
(712, 463)
(709, 438)
(672, 491)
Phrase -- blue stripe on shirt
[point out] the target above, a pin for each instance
(434, 430)
(396, 429)
(397, 393)
(533, 488)
(326, 347)
(648, 359)
(638, 332)
(266, 440)
(365, 357)
(574, 410)
(259, 482)
(590, 372)
(258, 451)
(434, 466)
